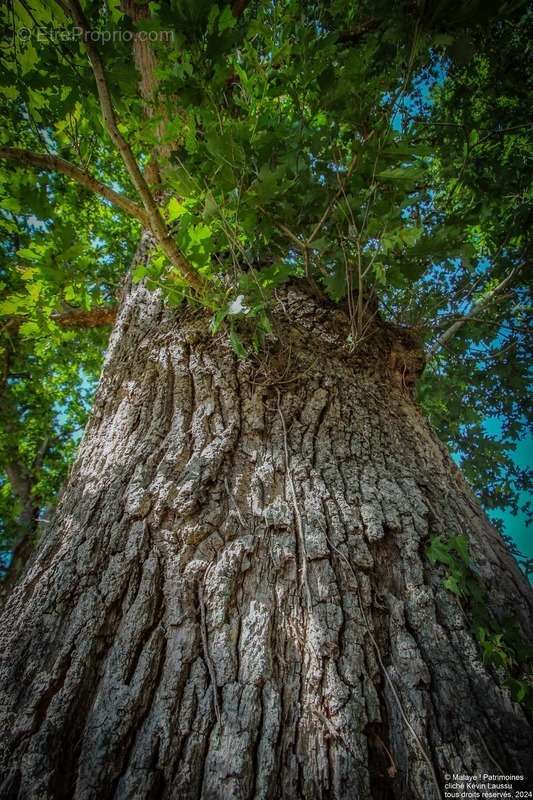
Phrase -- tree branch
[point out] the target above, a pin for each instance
(26, 524)
(95, 318)
(474, 310)
(354, 35)
(75, 319)
(20, 481)
(238, 7)
(155, 220)
(145, 63)
(49, 162)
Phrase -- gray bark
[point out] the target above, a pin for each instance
(233, 600)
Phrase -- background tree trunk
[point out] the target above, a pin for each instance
(233, 600)
(27, 524)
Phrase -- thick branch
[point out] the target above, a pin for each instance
(27, 521)
(474, 311)
(156, 221)
(238, 7)
(20, 482)
(75, 319)
(49, 162)
(354, 35)
(146, 67)
(95, 318)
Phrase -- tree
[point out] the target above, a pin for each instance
(265, 577)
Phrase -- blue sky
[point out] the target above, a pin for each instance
(515, 526)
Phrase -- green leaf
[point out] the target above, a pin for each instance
(11, 92)
(29, 329)
(268, 184)
(29, 253)
(12, 305)
(460, 545)
(407, 173)
(116, 11)
(453, 584)
(438, 552)
(226, 20)
(175, 209)
(28, 58)
(213, 14)
(181, 180)
(271, 277)
(336, 284)
(519, 689)
(198, 233)
(139, 273)
(218, 318)
(237, 344)
(321, 244)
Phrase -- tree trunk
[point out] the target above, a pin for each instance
(233, 600)
(27, 525)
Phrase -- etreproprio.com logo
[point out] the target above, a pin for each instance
(75, 34)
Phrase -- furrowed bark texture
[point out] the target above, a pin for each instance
(233, 601)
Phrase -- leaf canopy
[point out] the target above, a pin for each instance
(373, 148)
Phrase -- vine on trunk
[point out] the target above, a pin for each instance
(501, 643)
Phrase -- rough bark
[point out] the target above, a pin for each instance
(233, 600)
